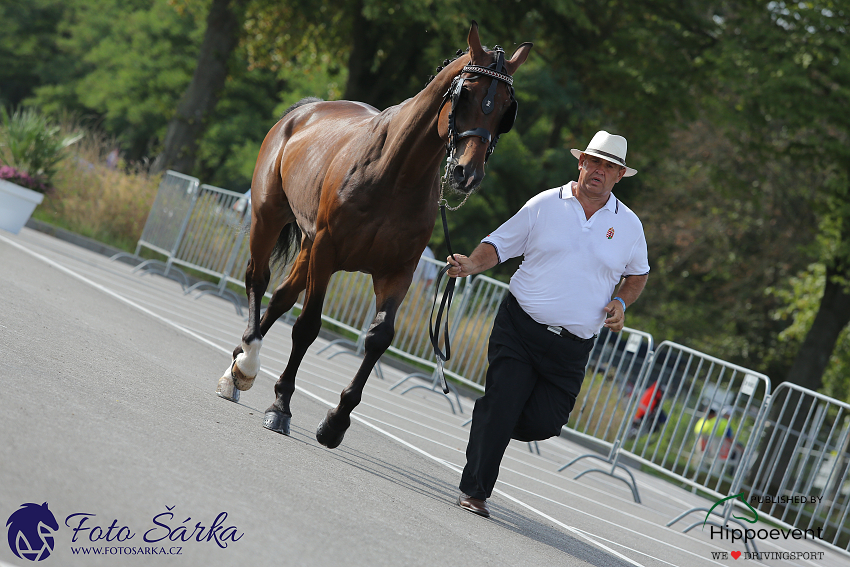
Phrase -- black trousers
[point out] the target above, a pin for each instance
(533, 380)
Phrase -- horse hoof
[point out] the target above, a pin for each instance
(328, 436)
(227, 389)
(277, 421)
(240, 380)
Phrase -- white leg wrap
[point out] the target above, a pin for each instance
(249, 360)
(247, 365)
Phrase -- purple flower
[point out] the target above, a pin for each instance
(23, 179)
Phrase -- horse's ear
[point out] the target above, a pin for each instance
(519, 57)
(474, 42)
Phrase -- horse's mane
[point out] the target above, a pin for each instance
(446, 62)
(301, 102)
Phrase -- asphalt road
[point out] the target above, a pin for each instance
(108, 414)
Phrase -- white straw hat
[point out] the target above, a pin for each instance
(609, 147)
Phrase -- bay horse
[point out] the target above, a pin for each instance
(362, 188)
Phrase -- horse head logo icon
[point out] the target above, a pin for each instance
(31, 529)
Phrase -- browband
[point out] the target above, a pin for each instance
(489, 72)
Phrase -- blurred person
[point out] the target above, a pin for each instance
(112, 158)
(425, 271)
(579, 242)
(649, 410)
(715, 434)
(705, 426)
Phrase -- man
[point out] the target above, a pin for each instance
(715, 436)
(649, 410)
(578, 240)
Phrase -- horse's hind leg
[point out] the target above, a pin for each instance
(245, 365)
(304, 331)
(389, 293)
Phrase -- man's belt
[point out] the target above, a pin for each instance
(567, 335)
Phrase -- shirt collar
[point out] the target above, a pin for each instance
(566, 192)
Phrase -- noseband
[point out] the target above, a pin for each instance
(495, 71)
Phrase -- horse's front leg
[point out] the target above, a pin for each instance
(389, 295)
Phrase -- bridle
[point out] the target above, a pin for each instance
(496, 72)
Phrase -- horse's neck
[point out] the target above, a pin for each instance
(413, 137)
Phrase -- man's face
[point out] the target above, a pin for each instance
(599, 175)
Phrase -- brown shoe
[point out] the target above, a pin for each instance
(474, 505)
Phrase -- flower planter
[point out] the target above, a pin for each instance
(16, 205)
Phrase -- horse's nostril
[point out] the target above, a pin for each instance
(458, 173)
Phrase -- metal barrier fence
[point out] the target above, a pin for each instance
(612, 377)
(472, 318)
(169, 214)
(708, 411)
(801, 465)
(690, 417)
(471, 331)
(166, 223)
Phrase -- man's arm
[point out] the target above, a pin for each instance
(629, 291)
(482, 258)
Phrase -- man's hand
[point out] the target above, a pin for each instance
(482, 258)
(616, 317)
(461, 266)
(629, 291)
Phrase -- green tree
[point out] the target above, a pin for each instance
(789, 67)
(28, 47)
(124, 65)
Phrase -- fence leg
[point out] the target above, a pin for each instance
(435, 384)
(613, 459)
(124, 255)
(164, 270)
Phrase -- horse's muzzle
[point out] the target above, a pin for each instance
(465, 178)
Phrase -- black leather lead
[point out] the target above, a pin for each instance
(445, 306)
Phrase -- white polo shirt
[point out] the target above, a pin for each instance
(572, 264)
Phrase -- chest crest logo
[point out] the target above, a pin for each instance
(610, 234)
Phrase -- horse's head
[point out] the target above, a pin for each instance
(482, 108)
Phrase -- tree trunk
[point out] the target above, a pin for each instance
(832, 316)
(189, 121)
(809, 366)
(388, 83)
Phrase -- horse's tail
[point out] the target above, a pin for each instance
(287, 245)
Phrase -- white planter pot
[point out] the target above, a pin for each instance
(16, 205)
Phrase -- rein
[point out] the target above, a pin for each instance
(453, 95)
(445, 306)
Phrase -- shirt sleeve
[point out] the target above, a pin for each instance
(639, 262)
(511, 238)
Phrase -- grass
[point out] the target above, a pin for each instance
(107, 204)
